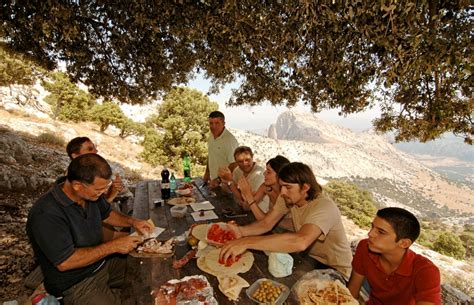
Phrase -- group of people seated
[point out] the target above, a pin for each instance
(81, 266)
(287, 194)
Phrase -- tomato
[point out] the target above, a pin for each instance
(219, 235)
(229, 261)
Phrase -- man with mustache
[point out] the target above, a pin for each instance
(316, 221)
(65, 230)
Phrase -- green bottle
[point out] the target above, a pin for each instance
(187, 168)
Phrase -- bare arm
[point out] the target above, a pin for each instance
(118, 219)
(115, 189)
(355, 283)
(286, 242)
(261, 226)
(249, 197)
(88, 255)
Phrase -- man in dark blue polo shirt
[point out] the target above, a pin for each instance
(65, 229)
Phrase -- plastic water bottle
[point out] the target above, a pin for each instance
(165, 184)
(187, 168)
(172, 183)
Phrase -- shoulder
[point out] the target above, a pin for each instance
(324, 202)
(46, 207)
(423, 265)
(228, 135)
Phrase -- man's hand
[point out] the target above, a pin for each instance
(117, 184)
(225, 173)
(115, 189)
(214, 183)
(232, 249)
(142, 226)
(126, 244)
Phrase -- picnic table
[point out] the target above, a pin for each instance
(145, 274)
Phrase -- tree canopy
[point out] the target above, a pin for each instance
(412, 58)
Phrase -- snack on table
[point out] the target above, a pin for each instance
(181, 201)
(231, 285)
(189, 290)
(266, 291)
(218, 234)
(209, 262)
(154, 246)
(185, 189)
(323, 287)
(178, 263)
(332, 293)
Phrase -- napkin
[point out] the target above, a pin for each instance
(153, 234)
(205, 205)
(280, 264)
(207, 215)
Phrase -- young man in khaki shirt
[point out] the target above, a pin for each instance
(316, 220)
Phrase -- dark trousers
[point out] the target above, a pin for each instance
(101, 288)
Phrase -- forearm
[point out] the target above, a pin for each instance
(258, 227)
(85, 256)
(111, 195)
(285, 242)
(118, 219)
(257, 212)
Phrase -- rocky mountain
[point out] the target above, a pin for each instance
(395, 178)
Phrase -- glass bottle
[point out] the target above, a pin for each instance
(165, 184)
(172, 183)
(187, 168)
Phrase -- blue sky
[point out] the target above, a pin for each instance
(258, 118)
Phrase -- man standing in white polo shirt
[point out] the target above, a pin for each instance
(221, 145)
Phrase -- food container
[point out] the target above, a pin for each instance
(184, 192)
(280, 299)
(179, 211)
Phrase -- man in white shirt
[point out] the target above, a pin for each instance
(246, 169)
(221, 145)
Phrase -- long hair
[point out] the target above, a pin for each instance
(277, 163)
(297, 172)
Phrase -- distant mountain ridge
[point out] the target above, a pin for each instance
(395, 177)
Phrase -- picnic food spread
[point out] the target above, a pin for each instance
(153, 247)
(181, 201)
(209, 263)
(268, 291)
(231, 285)
(189, 290)
(328, 292)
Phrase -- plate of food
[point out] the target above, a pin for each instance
(266, 291)
(218, 234)
(154, 248)
(185, 189)
(209, 262)
(181, 201)
(323, 287)
(189, 290)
